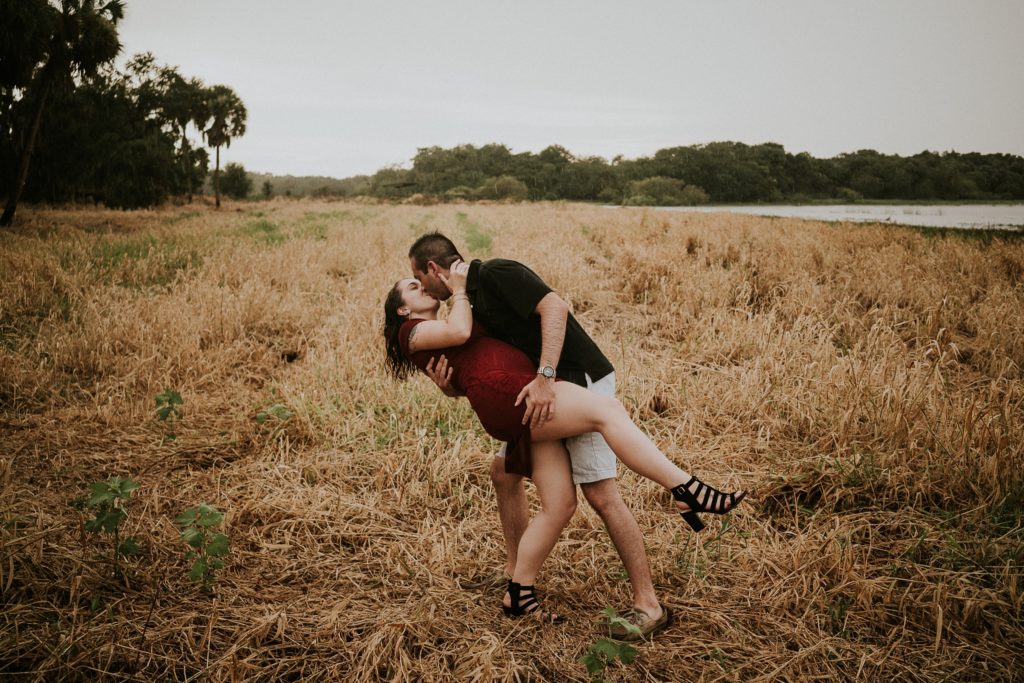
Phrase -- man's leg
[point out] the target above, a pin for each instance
(604, 497)
(594, 467)
(513, 510)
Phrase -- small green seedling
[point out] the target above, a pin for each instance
(277, 410)
(604, 651)
(273, 418)
(166, 408)
(207, 544)
(108, 501)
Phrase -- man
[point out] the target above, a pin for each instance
(516, 306)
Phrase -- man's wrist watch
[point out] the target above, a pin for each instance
(547, 371)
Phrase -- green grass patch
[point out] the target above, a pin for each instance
(317, 224)
(264, 231)
(340, 216)
(422, 226)
(181, 217)
(143, 261)
(477, 239)
(315, 231)
(111, 254)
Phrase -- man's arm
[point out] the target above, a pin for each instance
(540, 394)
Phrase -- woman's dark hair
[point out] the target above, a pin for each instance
(435, 247)
(398, 363)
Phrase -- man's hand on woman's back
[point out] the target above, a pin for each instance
(441, 374)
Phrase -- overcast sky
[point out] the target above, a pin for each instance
(341, 88)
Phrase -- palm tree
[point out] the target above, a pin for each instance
(226, 121)
(184, 103)
(84, 37)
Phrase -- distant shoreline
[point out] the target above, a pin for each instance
(1003, 218)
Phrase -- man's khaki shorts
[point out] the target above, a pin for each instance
(591, 457)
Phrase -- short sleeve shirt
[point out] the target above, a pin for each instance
(505, 294)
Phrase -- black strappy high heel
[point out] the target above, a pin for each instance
(704, 499)
(524, 602)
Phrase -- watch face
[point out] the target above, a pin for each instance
(548, 372)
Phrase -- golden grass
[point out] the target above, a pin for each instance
(865, 381)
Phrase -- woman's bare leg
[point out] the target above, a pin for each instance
(552, 476)
(578, 411)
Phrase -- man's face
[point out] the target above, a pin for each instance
(431, 283)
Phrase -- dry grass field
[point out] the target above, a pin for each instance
(866, 382)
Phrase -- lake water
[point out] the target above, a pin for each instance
(1000, 216)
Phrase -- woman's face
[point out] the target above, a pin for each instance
(415, 299)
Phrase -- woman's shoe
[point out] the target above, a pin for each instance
(524, 602)
(704, 499)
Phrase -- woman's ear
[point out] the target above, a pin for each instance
(403, 311)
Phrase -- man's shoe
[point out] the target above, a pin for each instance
(647, 626)
(494, 580)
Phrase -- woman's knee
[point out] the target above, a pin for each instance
(561, 508)
(609, 410)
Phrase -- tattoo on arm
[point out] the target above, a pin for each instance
(410, 338)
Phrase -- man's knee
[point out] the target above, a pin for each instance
(602, 495)
(504, 482)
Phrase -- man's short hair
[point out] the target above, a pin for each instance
(435, 247)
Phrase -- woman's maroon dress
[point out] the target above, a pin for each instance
(491, 374)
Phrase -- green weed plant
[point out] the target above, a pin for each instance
(206, 544)
(108, 501)
(604, 651)
(167, 403)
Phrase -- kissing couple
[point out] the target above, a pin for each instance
(540, 384)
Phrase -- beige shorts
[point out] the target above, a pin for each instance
(591, 457)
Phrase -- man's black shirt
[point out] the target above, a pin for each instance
(505, 294)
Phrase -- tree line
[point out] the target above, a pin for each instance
(720, 172)
(74, 128)
(266, 185)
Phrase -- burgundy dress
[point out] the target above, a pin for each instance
(491, 374)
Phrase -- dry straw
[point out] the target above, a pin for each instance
(865, 381)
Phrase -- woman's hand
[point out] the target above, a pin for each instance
(456, 279)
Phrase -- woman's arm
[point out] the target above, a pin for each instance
(440, 334)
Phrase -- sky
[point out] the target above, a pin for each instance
(340, 88)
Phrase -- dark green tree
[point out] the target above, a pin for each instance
(236, 183)
(392, 182)
(123, 155)
(184, 105)
(662, 191)
(503, 187)
(553, 160)
(226, 121)
(26, 33)
(585, 179)
(79, 37)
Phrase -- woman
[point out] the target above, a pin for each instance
(491, 374)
